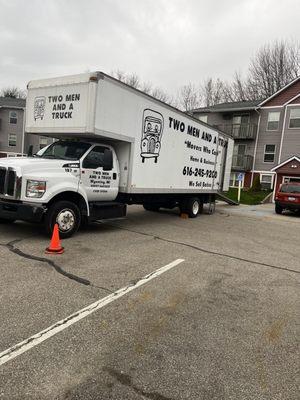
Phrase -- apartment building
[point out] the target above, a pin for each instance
(266, 134)
(13, 142)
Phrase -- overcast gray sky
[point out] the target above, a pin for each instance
(166, 42)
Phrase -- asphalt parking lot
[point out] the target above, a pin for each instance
(216, 317)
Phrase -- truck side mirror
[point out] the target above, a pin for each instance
(30, 151)
(107, 160)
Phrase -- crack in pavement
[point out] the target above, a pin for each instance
(11, 247)
(216, 253)
(126, 380)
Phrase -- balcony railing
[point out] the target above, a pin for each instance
(240, 131)
(242, 162)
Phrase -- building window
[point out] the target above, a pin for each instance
(273, 120)
(13, 117)
(266, 181)
(269, 155)
(203, 118)
(294, 118)
(234, 180)
(43, 142)
(12, 139)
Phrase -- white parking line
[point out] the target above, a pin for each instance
(27, 344)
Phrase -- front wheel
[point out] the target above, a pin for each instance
(278, 209)
(66, 215)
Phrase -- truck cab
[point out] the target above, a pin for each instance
(63, 185)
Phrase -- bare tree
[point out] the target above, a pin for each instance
(118, 74)
(159, 94)
(13, 92)
(227, 94)
(146, 87)
(239, 88)
(133, 80)
(189, 97)
(272, 68)
(214, 92)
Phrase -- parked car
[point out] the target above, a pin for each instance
(288, 197)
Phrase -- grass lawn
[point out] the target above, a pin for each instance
(246, 196)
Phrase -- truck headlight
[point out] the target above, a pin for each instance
(35, 189)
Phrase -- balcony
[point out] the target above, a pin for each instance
(240, 131)
(242, 162)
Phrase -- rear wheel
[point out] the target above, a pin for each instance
(278, 209)
(66, 215)
(192, 206)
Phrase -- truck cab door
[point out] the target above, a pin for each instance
(99, 176)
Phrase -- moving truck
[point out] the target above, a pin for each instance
(114, 146)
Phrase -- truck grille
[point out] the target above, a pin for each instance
(8, 181)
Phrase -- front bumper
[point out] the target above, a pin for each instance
(288, 206)
(21, 211)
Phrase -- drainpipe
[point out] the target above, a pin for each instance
(255, 147)
(274, 188)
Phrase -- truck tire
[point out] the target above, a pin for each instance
(67, 215)
(192, 206)
(278, 209)
(151, 207)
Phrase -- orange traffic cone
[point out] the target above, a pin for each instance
(55, 246)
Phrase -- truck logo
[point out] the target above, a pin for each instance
(152, 130)
(39, 107)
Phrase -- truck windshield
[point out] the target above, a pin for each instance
(66, 150)
(290, 188)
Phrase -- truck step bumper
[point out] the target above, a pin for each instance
(21, 211)
(106, 210)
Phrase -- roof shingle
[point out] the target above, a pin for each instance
(235, 105)
(11, 102)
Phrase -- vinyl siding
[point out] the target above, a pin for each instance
(267, 137)
(213, 118)
(6, 128)
(291, 139)
(284, 96)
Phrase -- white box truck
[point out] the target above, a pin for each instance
(114, 145)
